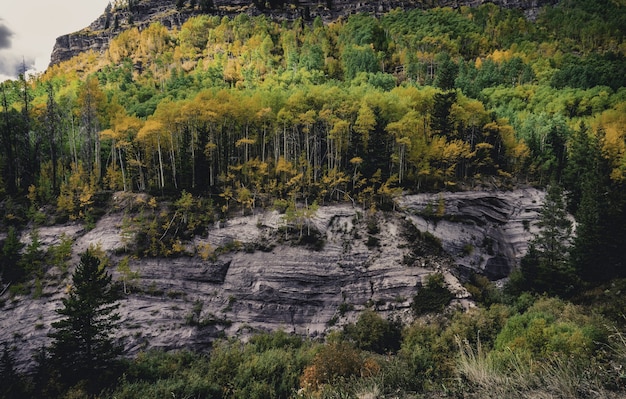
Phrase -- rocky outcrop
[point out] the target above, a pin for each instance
(97, 36)
(483, 231)
(266, 282)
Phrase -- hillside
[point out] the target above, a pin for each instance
(298, 200)
(142, 13)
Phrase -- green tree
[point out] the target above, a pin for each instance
(10, 265)
(83, 347)
(357, 59)
(598, 250)
(580, 162)
(546, 267)
(446, 73)
(373, 333)
(12, 385)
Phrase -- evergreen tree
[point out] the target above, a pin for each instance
(580, 161)
(446, 73)
(11, 384)
(10, 268)
(598, 252)
(546, 267)
(441, 121)
(83, 347)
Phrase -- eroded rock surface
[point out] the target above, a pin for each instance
(266, 283)
(484, 231)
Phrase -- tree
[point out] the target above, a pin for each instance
(446, 73)
(83, 347)
(11, 269)
(91, 101)
(373, 333)
(12, 385)
(547, 267)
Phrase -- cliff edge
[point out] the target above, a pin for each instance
(141, 13)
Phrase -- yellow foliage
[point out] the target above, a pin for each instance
(123, 46)
(76, 193)
(613, 124)
(499, 56)
(205, 251)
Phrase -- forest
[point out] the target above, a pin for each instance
(229, 114)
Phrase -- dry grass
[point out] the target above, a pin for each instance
(555, 378)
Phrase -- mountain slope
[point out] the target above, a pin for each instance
(141, 13)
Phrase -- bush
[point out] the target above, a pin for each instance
(551, 328)
(335, 361)
(434, 297)
(373, 333)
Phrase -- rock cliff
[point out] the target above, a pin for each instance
(265, 282)
(141, 13)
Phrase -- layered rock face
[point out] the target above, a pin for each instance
(263, 281)
(483, 231)
(96, 37)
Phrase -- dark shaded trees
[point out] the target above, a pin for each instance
(83, 347)
(546, 268)
(11, 383)
(10, 268)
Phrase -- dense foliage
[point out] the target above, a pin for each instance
(251, 111)
(228, 114)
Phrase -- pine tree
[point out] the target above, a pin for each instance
(580, 162)
(598, 251)
(546, 267)
(12, 385)
(83, 347)
(11, 270)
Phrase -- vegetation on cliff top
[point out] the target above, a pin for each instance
(227, 114)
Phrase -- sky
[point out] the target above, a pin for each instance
(29, 28)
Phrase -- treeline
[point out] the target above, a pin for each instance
(249, 110)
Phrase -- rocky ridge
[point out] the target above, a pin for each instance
(97, 35)
(265, 284)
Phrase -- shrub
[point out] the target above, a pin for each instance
(434, 297)
(549, 328)
(373, 333)
(335, 361)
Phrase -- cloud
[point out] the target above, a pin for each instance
(11, 65)
(5, 36)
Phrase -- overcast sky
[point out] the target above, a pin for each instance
(29, 28)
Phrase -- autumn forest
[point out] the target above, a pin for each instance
(234, 113)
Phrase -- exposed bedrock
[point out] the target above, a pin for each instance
(266, 283)
(484, 231)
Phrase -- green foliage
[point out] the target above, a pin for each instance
(433, 297)
(250, 112)
(373, 333)
(82, 344)
(60, 253)
(358, 59)
(483, 290)
(12, 270)
(550, 327)
(547, 268)
(13, 385)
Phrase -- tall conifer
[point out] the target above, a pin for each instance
(83, 346)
